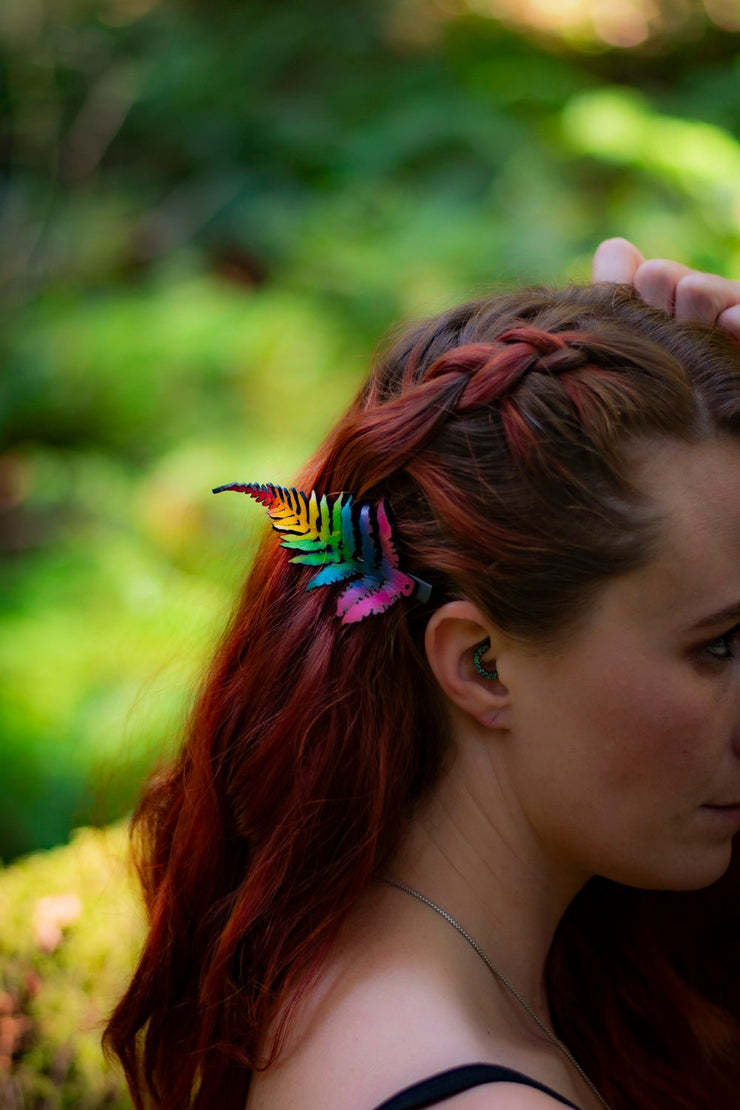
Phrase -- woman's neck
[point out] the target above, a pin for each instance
(470, 850)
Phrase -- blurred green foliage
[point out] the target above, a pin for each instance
(210, 215)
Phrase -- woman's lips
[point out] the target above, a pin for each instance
(729, 813)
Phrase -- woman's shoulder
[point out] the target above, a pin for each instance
(364, 1096)
(380, 1019)
(382, 1037)
(352, 1042)
(351, 1045)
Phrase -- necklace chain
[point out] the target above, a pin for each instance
(504, 982)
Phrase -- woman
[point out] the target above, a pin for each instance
(456, 810)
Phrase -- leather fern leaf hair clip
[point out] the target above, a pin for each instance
(348, 541)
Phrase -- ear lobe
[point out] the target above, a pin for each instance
(457, 634)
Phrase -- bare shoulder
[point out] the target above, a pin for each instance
(352, 1045)
(333, 1062)
(382, 1018)
(503, 1096)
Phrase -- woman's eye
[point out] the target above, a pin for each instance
(726, 646)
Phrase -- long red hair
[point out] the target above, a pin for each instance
(497, 434)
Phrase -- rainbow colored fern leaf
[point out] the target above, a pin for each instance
(344, 540)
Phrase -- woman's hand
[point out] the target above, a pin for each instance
(689, 295)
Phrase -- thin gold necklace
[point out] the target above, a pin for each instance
(504, 982)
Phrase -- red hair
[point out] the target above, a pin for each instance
(497, 432)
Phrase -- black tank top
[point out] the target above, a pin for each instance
(448, 1083)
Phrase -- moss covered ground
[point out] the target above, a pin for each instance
(70, 926)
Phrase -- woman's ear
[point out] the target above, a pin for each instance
(464, 649)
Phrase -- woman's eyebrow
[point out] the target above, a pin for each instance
(729, 613)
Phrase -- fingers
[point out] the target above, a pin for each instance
(616, 260)
(689, 295)
(730, 321)
(657, 282)
(706, 297)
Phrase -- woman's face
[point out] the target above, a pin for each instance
(625, 741)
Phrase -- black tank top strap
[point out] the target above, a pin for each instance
(453, 1082)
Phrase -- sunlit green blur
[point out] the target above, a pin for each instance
(211, 214)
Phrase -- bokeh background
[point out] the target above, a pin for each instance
(211, 213)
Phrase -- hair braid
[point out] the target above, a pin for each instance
(466, 377)
(494, 371)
